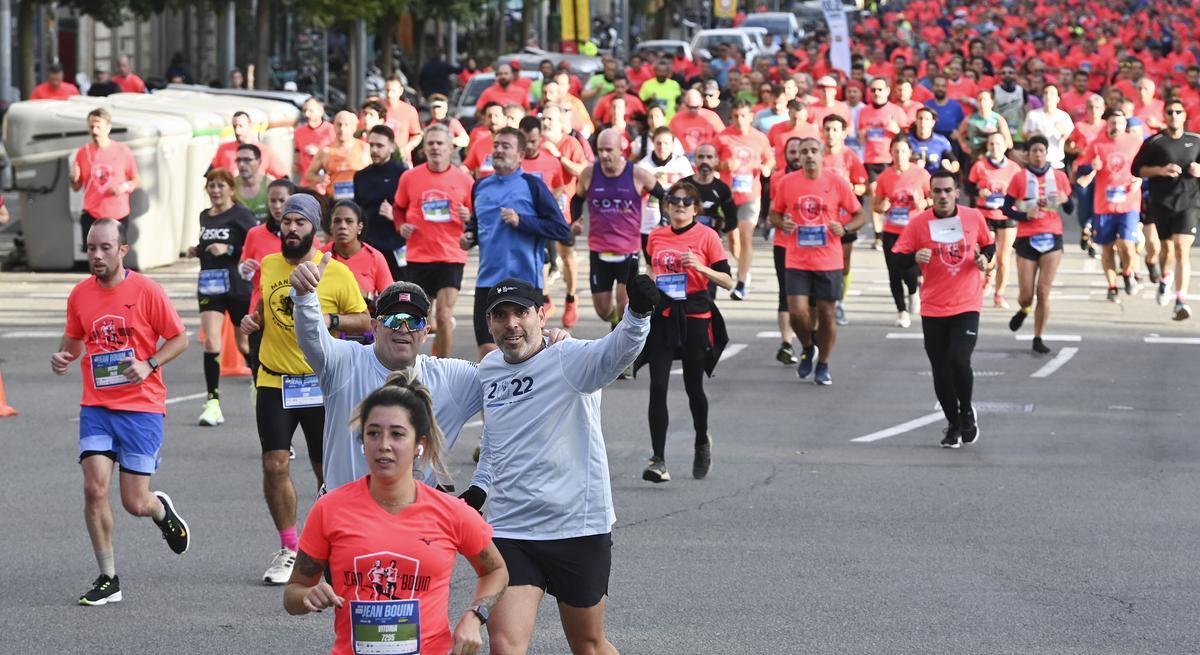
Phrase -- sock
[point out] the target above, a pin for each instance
(741, 285)
(1026, 310)
(1126, 273)
(570, 297)
(615, 318)
(289, 539)
(160, 511)
(786, 345)
(845, 285)
(107, 563)
(1180, 297)
(212, 374)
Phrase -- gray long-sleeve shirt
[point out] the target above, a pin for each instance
(350, 371)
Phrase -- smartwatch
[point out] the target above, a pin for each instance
(481, 612)
(153, 363)
(334, 321)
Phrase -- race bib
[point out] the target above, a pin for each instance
(302, 391)
(1116, 194)
(946, 230)
(875, 133)
(386, 627)
(614, 257)
(704, 220)
(401, 256)
(1042, 242)
(811, 236)
(742, 183)
(487, 163)
(213, 282)
(343, 190)
(108, 371)
(672, 284)
(898, 216)
(436, 211)
(994, 201)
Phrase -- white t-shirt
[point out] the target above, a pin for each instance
(1056, 125)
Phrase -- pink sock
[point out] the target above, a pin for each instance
(288, 539)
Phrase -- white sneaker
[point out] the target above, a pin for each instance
(211, 416)
(280, 570)
(903, 320)
(914, 303)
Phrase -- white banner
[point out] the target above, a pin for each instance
(839, 34)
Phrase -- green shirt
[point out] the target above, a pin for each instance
(666, 93)
(257, 204)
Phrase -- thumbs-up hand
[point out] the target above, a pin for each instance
(308, 275)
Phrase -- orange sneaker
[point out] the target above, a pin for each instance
(570, 314)
(549, 305)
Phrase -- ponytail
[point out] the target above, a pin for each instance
(402, 389)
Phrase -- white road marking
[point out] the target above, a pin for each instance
(730, 350)
(1053, 365)
(32, 334)
(1121, 408)
(905, 335)
(191, 396)
(1051, 337)
(769, 334)
(921, 422)
(1191, 341)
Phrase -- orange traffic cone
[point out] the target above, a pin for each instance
(5, 409)
(233, 365)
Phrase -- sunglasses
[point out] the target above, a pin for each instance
(394, 321)
(685, 201)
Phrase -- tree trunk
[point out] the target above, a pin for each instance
(25, 46)
(529, 15)
(387, 40)
(262, 45)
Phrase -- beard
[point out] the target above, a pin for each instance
(299, 250)
(793, 166)
(704, 169)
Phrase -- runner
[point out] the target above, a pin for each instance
(374, 189)
(345, 229)
(667, 169)
(1108, 160)
(115, 318)
(106, 173)
(431, 209)
(333, 169)
(1052, 123)
(402, 118)
(479, 153)
(839, 160)
(696, 124)
(1087, 130)
(244, 134)
(952, 245)
(612, 189)
(981, 124)
(1171, 161)
(387, 511)
(504, 91)
(901, 191)
(567, 149)
(786, 354)
(543, 469)
(987, 184)
(1011, 102)
(686, 257)
(311, 136)
(220, 290)
(539, 163)
(288, 389)
(878, 124)
(812, 205)
(1032, 199)
(933, 151)
(513, 216)
(745, 157)
(262, 240)
(662, 90)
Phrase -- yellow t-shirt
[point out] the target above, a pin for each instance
(338, 293)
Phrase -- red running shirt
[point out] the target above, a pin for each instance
(1045, 220)
(1115, 192)
(369, 267)
(953, 283)
(430, 201)
(992, 183)
(666, 249)
(877, 140)
(375, 555)
(744, 155)
(902, 190)
(104, 170)
(812, 205)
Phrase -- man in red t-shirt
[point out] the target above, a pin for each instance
(567, 150)
(745, 157)
(504, 91)
(115, 319)
(1117, 197)
(54, 88)
(402, 118)
(816, 208)
(479, 154)
(314, 134)
(126, 78)
(243, 132)
(695, 124)
(106, 172)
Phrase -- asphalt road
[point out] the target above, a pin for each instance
(1071, 527)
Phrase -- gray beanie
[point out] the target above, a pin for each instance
(305, 205)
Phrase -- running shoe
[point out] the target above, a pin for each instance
(877, 244)
(739, 292)
(627, 373)
(570, 314)
(807, 357)
(656, 471)
(914, 303)
(903, 320)
(1182, 311)
(839, 314)
(104, 590)
(280, 570)
(1085, 237)
(1112, 295)
(174, 528)
(1130, 283)
(1091, 251)
(968, 426)
(786, 355)
(951, 438)
(475, 455)
(1017, 320)
(212, 416)
(549, 305)
(822, 376)
(1155, 275)
(1040, 346)
(1162, 296)
(999, 301)
(702, 461)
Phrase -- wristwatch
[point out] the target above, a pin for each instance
(481, 612)
(153, 363)
(334, 321)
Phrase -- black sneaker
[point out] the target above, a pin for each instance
(1040, 346)
(1129, 283)
(786, 355)
(1017, 320)
(1085, 238)
(951, 437)
(1112, 295)
(174, 528)
(1155, 275)
(968, 427)
(702, 462)
(739, 292)
(104, 590)
(656, 471)
(807, 359)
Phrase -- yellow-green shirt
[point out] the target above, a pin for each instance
(667, 92)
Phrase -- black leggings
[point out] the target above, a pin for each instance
(949, 342)
(660, 349)
(276, 425)
(781, 277)
(899, 274)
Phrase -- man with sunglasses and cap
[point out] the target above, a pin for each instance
(543, 469)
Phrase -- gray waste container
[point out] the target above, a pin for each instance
(42, 137)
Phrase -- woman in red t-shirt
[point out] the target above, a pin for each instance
(688, 262)
(901, 191)
(345, 225)
(389, 542)
(988, 181)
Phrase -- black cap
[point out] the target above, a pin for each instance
(402, 296)
(515, 291)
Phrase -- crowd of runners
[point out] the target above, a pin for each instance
(958, 143)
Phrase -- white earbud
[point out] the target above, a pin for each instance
(420, 451)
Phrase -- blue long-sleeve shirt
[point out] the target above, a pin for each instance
(506, 251)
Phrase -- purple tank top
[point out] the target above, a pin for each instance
(614, 213)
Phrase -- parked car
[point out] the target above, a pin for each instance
(780, 24)
(529, 58)
(464, 103)
(666, 47)
(706, 41)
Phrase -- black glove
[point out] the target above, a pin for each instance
(643, 295)
(475, 497)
